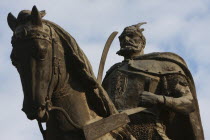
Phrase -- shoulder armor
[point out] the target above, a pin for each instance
(112, 68)
(155, 67)
(168, 56)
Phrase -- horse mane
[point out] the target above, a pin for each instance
(81, 63)
(96, 95)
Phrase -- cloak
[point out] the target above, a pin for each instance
(184, 126)
(188, 126)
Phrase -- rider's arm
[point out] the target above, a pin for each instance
(178, 99)
(182, 104)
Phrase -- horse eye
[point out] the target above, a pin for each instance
(34, 51)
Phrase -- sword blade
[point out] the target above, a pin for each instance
(104, 55)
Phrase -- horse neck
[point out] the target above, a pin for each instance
(70, 96)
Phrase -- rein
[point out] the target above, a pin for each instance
(49, 107)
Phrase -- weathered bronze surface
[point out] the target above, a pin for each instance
(156, 90)
(57, 79)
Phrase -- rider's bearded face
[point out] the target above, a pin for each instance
(130, 43)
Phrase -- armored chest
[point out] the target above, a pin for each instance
(124, 86)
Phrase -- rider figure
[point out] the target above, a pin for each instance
(159, 82)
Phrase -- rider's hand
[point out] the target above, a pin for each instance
(148, 99)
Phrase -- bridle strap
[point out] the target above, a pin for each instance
(55, 70)
(42, 130)
(50, 83)
(52, 108)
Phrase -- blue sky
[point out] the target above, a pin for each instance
(177, 26)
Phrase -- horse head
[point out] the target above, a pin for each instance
(32, 55)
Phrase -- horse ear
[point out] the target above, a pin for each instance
(42, 13)
(12, 21)
(36, 17)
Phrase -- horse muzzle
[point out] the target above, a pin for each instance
(40, 114)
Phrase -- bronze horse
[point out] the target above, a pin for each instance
(57, 79)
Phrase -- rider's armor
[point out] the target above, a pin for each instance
(156, 73)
